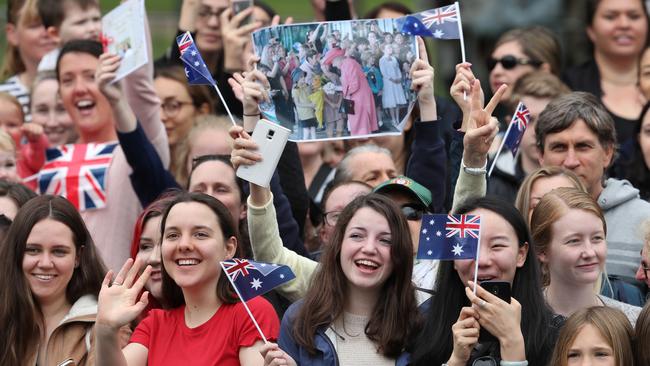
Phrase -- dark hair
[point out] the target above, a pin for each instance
(52, 12)
(637, 171)
(435, 344)
(334, 184)
(264, 6)
(172, 293)
(590, 13)
(16, 191)
(20, 313)
(87, 46)
(155, 209)
(395, 320)
(538, 43)
(388, 5)
(562, 112)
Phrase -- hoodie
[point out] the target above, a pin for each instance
(624, 212)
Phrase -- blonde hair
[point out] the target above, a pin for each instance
(12, 100)
(523, 196)
(179, 166)
(550, 209)
(6, 142)
(19, 12)
(612, 325)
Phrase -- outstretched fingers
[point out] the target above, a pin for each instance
(496, 98)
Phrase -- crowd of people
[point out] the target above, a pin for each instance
(119, 200)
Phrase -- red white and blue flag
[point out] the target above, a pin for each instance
(77, 172)
(449, 237)
(196, 70)
(441, 23)
(250, 278)
(520, 120)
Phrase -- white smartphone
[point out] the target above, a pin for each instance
(271, 139)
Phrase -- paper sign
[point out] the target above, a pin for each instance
(124, 34)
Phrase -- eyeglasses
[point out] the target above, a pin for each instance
(207, 12)
(645, 269)
(172, 107)
(332, 217)
(413, 212)
(509, 62)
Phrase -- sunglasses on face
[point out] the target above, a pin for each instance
(413, 212)
(509, 62)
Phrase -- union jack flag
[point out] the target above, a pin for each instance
(184, 41)
(449, 237)
(236, 266)
(250, 278)
(441, 23)
(463, 225)
(78, 173)
(515, 132)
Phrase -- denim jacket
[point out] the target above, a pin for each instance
(324, 341)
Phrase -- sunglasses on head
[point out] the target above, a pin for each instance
(413, 211)
(509, 62)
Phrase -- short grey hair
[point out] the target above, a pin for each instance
(562, 112)
(343, 173)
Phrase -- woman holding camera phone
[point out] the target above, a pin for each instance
(572, 256)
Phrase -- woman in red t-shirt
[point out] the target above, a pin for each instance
(205, 324)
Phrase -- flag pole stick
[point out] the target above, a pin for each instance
(225, 105)
(478, 254)
(503, 141)
(242, 299)
(462, 40)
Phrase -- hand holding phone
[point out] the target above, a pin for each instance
(240, 5)
(500, 289)
(270, 139)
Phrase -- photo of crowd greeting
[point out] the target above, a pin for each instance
(337, 79)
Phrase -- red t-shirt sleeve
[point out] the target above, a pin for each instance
(142, 333)
(266, 318)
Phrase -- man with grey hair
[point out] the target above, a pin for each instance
(369, 164)
(576, 132)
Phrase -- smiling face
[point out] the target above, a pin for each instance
(578, 149)
(590, 348)
(619, 28)
(366, 251)
(149, 253)
(576, 253)
(88, 107)
(193, 245)
(30, 38)
(500, 254)
(49, 260)
(336, 202)
(48, 111)
(499, 75)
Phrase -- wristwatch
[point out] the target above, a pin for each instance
(473, 171)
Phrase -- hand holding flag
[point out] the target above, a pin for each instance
(449, 237)
(514, 133)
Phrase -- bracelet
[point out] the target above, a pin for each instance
(513, 363)
(252, 115)
(473, 171)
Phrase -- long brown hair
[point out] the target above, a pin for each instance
(20, 313)
(612, 325)
(18, 12)
(172, 293)
(395, 319)
(551, 208)
(642, 340)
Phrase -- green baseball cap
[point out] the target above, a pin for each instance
(408, 185)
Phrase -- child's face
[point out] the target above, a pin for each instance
(80, 23)
(399, 39)
(8, 166)
(11, 118)
(388, 38)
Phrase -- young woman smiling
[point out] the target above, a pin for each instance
(205, 323)
(569, 231)
(49, 281)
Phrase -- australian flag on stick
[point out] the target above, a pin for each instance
(449, 237)
(195, 68)
(517, 127)
(252, 278)
(441, 23)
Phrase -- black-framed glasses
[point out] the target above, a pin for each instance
(509, 62)
(413, 211)
(485, 361)
(206, 12)
(171, 107)
(332, 217)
